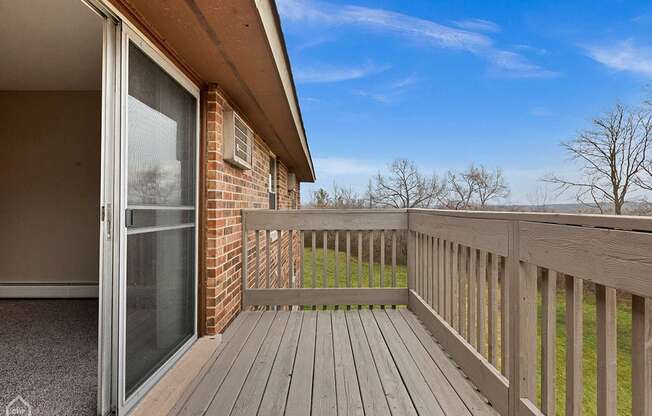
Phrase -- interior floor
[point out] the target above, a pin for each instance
(48, 355)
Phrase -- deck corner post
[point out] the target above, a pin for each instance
(410, 254)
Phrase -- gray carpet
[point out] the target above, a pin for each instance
(48, 355)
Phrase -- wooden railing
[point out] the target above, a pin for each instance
(271, 276)
(474, 279)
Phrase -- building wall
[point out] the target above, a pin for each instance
(229, 189)
(49, 186)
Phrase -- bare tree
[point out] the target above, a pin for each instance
(320, 198)
(404, 186)
(489, 184)
(461, 190)
(476, 187)
(539, 199)
(612, 154)
(346, 198)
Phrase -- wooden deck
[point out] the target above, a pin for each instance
(342, 362)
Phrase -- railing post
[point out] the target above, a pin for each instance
(245, 258)
(411, 254)
(522, 281)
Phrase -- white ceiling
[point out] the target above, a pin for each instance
(49, 45)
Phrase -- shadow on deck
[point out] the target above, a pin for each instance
(342, 362)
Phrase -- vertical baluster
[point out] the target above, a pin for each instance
(504, 320)
(472, 304)
(482, 305)
(463, 290)
(574, 390)
(493, 311)
(348, 262)
(302, 243)
(641, 356)
(324, 269)
(313, 279)
(417, 268)
(257, 272)
(448, 279)
(434, 254)
(455, 276)
(393, 258)
(394, 261)
(441, 263)
(371, 261)
(268, 259)
(337, 262)
(528, 332)
(382, 258)
(428, 275)
(280, 281)
(337, 259)
(548, 341)
(607, 336)
(291, 257)
(245, 257)
(359, 262)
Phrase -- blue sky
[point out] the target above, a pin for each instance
(447, 83)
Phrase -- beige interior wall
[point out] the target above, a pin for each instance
(49, 186)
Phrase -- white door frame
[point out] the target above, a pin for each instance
(106, 366)
(117, 34)
(132, 35)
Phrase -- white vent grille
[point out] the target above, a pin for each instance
(238, 140)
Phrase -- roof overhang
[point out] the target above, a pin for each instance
(239, 45)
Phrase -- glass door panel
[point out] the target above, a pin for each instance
(159, 282)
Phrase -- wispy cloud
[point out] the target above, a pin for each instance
(391, 91)
(326, 74)
(511, 64)
(478, 25)
(422, 30)
(531, 49)
(623, 56)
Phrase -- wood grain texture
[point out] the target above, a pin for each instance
(548, 342)
(574, 342)
(488, 380)
(606, 340)
(309, 219)
(299, 399)
(618, 259)
(324, 396)
(641, 356)
(349, 400)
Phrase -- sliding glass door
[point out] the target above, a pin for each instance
(159, 201)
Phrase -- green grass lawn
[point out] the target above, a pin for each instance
(590, 348)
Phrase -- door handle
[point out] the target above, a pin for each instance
(107, 216)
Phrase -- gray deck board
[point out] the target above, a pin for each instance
(278, 385)
(228, 393)
(324, 399)
(422, 397)
(202, 396)
(344, 363)
(254, 386)
(476, 404)
(446, 396)
(299, 400)
(373, 396)
(396, 392)
(349, 402)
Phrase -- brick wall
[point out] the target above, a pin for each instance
(230, 189)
